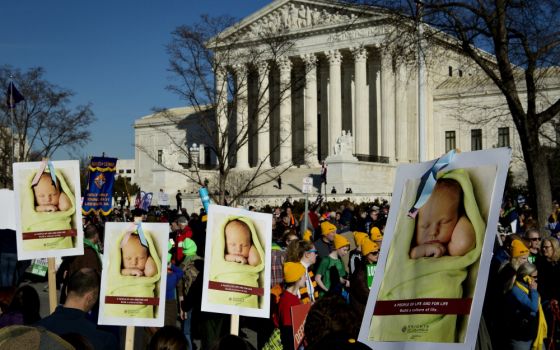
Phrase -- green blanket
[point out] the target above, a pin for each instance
(429, 277)
(232, 272)
(131, 286)
(33, 221)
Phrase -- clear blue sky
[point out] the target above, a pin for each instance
(109, 52)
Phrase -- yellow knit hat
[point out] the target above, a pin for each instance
(518, 248)
(307, 235)
(375, 234)
(359, 237)
(293, 271)
(340, 241)
(327, 227)
(369, 247)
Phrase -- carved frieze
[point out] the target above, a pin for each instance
(294, 16)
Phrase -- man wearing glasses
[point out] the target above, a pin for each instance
(534, 238)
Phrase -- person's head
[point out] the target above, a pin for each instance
(370, 250)
(341, 245)
(91, 233)
(168, 338)
(328, 231)
(301, 250)
(526, 269)
(294, 274)
(376, 235)
(533, 237)
(374, 213)
(551, 249)
(83, 288)
(238, 238)
(359, 238)
(330, 314)
(437, 218)
(46, 192)
(519, 253)
(182, 221)
(231, 342)
(26, 300)
(189, 247)
(134, 254)
(289, 236)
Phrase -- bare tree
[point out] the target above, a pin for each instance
(224, 77)
(515, 45)
(44, 122)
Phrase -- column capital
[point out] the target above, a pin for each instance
(359, 52)
(310, 59)
(262, 67)
(334, 56)
(284, 63)
(240, 68)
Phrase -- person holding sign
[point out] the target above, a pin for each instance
(294, 278)
(362, 278)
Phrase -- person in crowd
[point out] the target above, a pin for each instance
(24, 308)
(361, 279)
(8, 258)
(83, 292)
(355, 256)
(294, 279)
(519, 253)
(376, 236)
(533, 238)
(174, 277)
(183, 233)
(179, 199)
(324, 243)
(332, 267)
(548, 265)
(232, 342)
(524, 316)
(304, 252)
(331, 324)
(33, 338)
(188, 299)
(373, 219)
(168, 338)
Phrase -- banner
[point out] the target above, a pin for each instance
(99, 191)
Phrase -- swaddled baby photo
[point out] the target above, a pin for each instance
(48, 215)
(433, 266)
(132, 282)
(236, 272)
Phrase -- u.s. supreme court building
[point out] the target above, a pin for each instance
(351, 103)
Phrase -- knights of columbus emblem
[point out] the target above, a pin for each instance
(99, 181)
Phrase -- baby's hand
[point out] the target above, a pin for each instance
(428, 250)
(132, 272)
(46, 208)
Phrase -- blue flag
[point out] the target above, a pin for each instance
(99, 192)
(13, 96)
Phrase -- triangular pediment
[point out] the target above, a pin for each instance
(285, 17)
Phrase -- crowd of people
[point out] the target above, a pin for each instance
(328, 259)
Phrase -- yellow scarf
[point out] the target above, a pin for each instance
(541, 331)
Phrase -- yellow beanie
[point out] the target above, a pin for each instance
(369, 247)
(327, 227)
(307, 235)
(375, 234)
(518, 248)
(340, 241)
(293, 271)
(359, 237)
(204, 218)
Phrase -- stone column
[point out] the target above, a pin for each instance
(222, 114)
(263, 114)
(242, 111)
(310, 112)
(401, 109)
(387, 108)
(361, 106)
(335, 98)
(285, 67)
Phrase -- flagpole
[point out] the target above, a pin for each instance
(12, 128)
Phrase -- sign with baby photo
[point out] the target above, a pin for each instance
(237, 262)
(47, 209)
(432, 272)
(134, 274)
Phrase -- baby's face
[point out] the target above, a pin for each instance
(134, 254)
(45, 192)
(438, 217)
(238, 239)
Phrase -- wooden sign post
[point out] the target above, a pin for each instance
(52, 284)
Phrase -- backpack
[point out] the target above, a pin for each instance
(190, 272)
